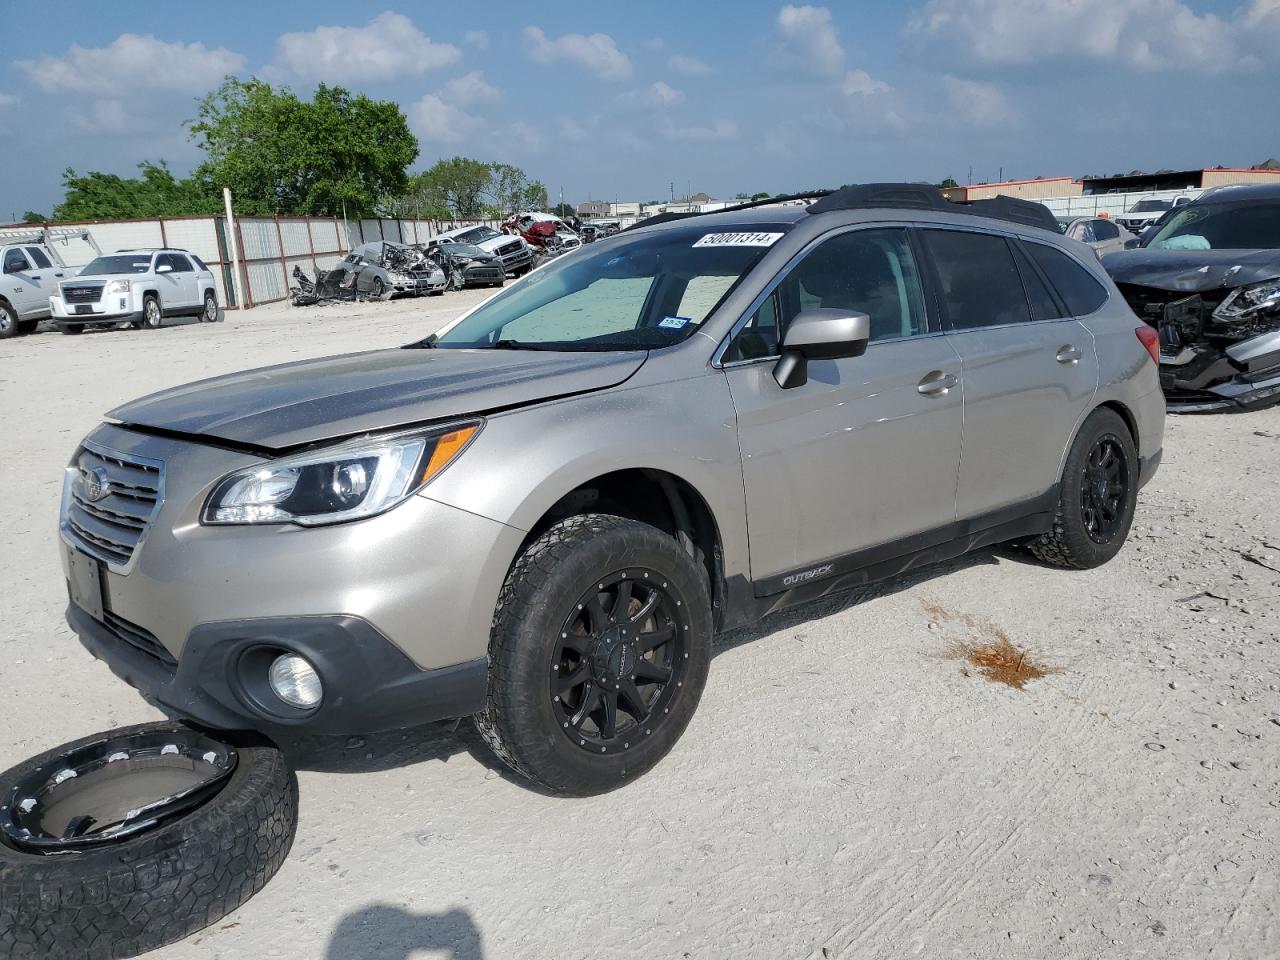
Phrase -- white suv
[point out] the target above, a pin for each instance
(29, 272)
(141, 287)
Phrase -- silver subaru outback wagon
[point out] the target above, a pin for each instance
(542, 514)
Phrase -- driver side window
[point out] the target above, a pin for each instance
(862, 271)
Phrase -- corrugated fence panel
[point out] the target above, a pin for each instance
(296, 237)
(324, 235)
(391, 230)
(260, 239)
(267, 280)
(370, 230)
(198, 236)
(127, 235)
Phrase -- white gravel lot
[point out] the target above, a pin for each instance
(844, 791)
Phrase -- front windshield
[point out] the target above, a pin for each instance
(1221, 226)
(635, 293)
(1150, 206)
(477, 235)
(117, 263)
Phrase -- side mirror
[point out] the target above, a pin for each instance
(164, 268)
(820, 334)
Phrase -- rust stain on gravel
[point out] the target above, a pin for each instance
(985, 649)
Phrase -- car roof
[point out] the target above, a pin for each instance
(1240, 192)
(151, 250)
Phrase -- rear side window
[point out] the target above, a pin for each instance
(1075, 285)
(36, 254)
(1043, 305)
(980, 284)
(199, 263)
(1105, 230)
(180, 263)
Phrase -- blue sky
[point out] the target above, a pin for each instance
(624, 100)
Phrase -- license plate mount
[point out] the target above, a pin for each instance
(84, 582)
(83, 309)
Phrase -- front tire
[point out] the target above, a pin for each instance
(152, 318)
(8, 322)
(600, 648)
(1097, 496)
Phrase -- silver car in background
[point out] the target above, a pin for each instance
(543, 513)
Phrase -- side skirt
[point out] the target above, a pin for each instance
(748, 601)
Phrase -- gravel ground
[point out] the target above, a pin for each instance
(848, 788)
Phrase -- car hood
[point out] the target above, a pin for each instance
(1192, 271)
(309, 401)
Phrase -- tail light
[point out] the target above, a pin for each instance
(1151, 340)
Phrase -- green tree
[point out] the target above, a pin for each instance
(563, 210)
(280, 154)
(760, 196)
(512, 191)
(949, 182)
(32, 217)
(156, 193)
(461, 188)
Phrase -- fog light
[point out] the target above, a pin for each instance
(295, 681)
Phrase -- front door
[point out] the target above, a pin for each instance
(26, 286)
(865, 453)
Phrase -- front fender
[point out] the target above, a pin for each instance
(526, 460)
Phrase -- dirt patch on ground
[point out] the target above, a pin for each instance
(986, 649)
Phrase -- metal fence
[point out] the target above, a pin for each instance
(270, 247)
(1112, 204)
(406, 231)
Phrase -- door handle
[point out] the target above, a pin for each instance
(1068, 354)
(936, 383)
(35, 276)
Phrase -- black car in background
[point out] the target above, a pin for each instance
(467, 265)
(1209, 281)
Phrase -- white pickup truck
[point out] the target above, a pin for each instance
(29, 275)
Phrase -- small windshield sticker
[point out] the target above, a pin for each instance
(738, 240)
(673, 323)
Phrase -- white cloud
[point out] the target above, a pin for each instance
(524, 137)
(104, 116)
(678, 63)
(981, 104)
(810, 39)
(435, 120)
(477, 38)
(389, 46)
(471, 89)
(133, 62)
(597, 52)
(656, 96)
(720, 130)
(859, 83)
(1145, 34)
(7, 100)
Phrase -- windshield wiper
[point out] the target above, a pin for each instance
(505, 344)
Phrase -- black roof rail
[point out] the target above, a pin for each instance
(924, 196)
(748, 205)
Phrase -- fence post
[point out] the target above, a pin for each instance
(234, 234)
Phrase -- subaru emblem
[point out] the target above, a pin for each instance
(96, 484)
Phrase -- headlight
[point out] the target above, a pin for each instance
(345, 482)
(117, 286)
(1243, 302)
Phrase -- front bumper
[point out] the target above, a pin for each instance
(369, 685)
(112, 309)
(1243, 376)
(512, 263)
(422, 578)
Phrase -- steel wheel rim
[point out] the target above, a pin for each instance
(621, 657)
(1104, 489)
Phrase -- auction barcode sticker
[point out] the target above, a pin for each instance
(738, 240)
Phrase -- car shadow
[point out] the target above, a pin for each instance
(442, 741)
(382, 932)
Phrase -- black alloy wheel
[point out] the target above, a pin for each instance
(1104, 490)
(619, 660)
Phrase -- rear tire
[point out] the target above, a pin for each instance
(573, 742)
(126, 898)
(1097, 496)
(152, 318)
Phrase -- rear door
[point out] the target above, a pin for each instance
(1030, 370)
(169, 283)
(865, 453)
(185, 271)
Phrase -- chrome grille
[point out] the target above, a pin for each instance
(91, 293)
(509, 248)
(111, 525)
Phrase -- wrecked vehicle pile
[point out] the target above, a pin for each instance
(373, 271)
(1209, 282)
(547, 234)
(466, 265)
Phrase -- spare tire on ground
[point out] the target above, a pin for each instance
(119, 843)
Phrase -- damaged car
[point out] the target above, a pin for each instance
(466, 265)
(545, 232)
(1209, 282)
(372, 271)
(515, 254)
